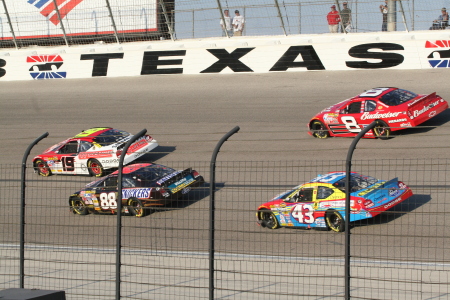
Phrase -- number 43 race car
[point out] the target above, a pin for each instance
(392, 108)
(320, 203)
(91, 152)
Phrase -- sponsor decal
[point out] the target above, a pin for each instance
(417, 113)
(320, 222)
(372, 188)
(439, 58)
(432, 114)
(369, 116)
(406, 125)
(393, 192)
(46, 66)
(48, 9)
(95, 154)
(110, 161)
(137, 145)
(392, 203)
(137, 193)
(331, 118)
(397, 120)
(184, 184)
(167, 177)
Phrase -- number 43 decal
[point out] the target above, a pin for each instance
(303, 213)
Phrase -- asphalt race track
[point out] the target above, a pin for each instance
(188, 114)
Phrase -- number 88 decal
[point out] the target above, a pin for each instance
(350, 124)
(108, 200)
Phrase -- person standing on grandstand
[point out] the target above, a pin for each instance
(238, 23)
(333, 19)
(346, 17)
(227, 27)
(384, 11)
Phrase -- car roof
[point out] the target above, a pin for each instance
(376, 92)
(92, 132)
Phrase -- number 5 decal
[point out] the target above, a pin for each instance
(350, 124)
(303, 213)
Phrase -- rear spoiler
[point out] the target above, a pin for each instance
(422, 101)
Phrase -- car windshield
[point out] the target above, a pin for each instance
(111, 136)
(357, 182)
(397, 97)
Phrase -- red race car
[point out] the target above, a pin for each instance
(392, 108)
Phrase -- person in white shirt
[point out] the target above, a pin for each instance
(228, 27)
(238, 23)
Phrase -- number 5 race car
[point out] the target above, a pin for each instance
(143, 186)
(91, 152)
(320, 203)
(392, 108)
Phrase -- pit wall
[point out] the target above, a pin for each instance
(301, 53)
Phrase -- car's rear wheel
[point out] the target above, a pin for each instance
(95, 168)
(319, 130)
(382, 130)
(42, 168)
(268, 219)
(136, 208)
(335, 221)
(78, 206)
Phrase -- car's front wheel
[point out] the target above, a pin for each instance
(319, 130)
(382, 130)
(95, 168)
(335, 221)
(136, 208)
(42, 168)
(78, 206)
(268, 219)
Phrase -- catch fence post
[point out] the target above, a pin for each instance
(212, 187)
(22, 210)
(119, 209)
(347, 205)
(10, 25)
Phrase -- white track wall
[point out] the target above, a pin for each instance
(300, 53)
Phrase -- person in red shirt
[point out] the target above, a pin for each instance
(333, 19)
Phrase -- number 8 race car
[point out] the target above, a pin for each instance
(320, 203)
(392, 108)
(91, 152)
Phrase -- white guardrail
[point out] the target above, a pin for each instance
(295, 53)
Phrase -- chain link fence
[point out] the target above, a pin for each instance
(76, 22)
(402, 253)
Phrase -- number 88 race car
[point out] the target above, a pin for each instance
(320, 203)
(392, 108)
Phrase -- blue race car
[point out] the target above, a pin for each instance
(320, 203)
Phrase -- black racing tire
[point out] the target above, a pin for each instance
(319, 130)
(268, 219)
(95, 168)
(382, 130)
(335, 221)
(78, 206)
(136, 208)
(42, 168)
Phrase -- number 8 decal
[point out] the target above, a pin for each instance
(108, 200)
(350, 124)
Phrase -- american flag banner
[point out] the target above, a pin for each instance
(47, 8)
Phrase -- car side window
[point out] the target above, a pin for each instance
(370, 105)
(70, 147)
(304, 195)
(85, 146)
(111, 181)
(324, 192)
(354, 108)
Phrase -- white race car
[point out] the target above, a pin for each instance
(91, 152)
